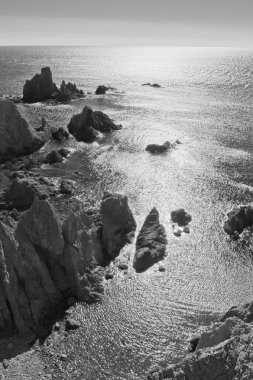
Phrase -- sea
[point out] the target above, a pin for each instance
(206, 102)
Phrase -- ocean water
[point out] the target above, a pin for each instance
(206, 103)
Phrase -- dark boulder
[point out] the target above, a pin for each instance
(66, 187)
(118, 223)
(181, 217)
(86, 125)
(151, 242)
(60, 134)
(101, 90)
(238, 219)
(71, 324)
(64, 152)
(40, 87)
(68, 92)
(16, 136)
(156, 148)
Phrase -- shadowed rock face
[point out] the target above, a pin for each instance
(223, 353)
(40, 87)
(86, 125)
(44, 261)
(151, 242)
(16, 136)
(118, 223)
(238, 219)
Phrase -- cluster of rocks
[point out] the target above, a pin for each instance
(41, 88)
(158, 149)
(223, 352)
(87, 125)
(180, 220)
(44, 260)
(238, 219)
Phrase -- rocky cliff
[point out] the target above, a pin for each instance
(16, 136)
(44, 261)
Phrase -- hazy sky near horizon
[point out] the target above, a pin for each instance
(127, 22)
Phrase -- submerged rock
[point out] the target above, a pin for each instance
(86, 125)
(238, 219)
(118, 223)
(151, 242)
(156, 148)
(16, 136)
(155, 85)
(53, 157)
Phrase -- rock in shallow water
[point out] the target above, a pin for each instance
(86, 125)
(181, 217)
(157, 149)
(151, 242)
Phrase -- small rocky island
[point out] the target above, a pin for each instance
(41, 88)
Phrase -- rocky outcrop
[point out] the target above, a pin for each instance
(16, 136)
(151, 242)
(41, 87)
(44, 261)
(222, 353)
(101, 90)
(86, 125)
(157, 149)
(244, 312)
(118, 223)
(238, 219)
(155, 85)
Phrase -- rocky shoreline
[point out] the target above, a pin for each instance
(50, 260)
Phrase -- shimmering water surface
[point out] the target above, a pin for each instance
(206, 103)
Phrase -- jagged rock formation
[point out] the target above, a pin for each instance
(118, 223)
(59, 134)
(44, 261)
(41, 87)
(238, 219)
(86, 125)
(151, 242)
(16, 136)
(156, 148)
(224, 353)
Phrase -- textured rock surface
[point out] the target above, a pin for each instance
(238, 219)
(244, 312)
(86, 125)
(223, 353)
(40, 87)
(16, 136)
(44, 262)
(151, 242)
(118, 223)
(60, 134)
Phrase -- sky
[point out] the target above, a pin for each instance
(127, 22)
